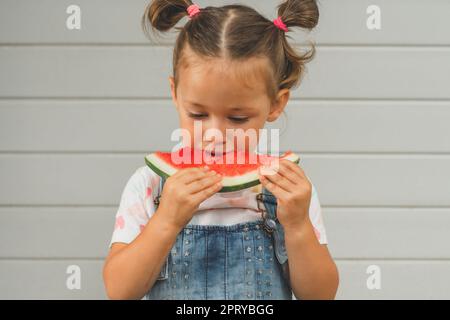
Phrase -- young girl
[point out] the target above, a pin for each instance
(178, 238)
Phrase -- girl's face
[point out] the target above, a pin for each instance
(212, 97)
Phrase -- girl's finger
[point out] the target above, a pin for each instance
(294, 168)
(192, 174)
(273, 188)
(203, 183)
(207, 192)
(286, 172)
(281, 181)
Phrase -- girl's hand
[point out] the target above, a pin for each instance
(292, 189)
(184, 191)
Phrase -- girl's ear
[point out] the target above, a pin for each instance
(173, 91)
(278, 105)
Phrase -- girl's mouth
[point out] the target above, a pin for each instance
(219, 154)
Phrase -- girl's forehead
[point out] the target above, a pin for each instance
(228, 79)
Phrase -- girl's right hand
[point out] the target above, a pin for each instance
(184, 191)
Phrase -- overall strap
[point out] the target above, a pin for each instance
(161, 185)
(164, 273)
(271, 223)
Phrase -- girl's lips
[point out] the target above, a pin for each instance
(212, 152)
(216, 154)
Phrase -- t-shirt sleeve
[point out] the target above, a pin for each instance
(315, 215)
(136, 206)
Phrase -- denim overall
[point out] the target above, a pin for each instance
(240, 261)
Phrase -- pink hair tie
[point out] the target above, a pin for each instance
(280, 24)
(193, 9)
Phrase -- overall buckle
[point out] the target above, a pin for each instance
(156, 200)
(269, 224)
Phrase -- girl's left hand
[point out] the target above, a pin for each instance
(292, 189)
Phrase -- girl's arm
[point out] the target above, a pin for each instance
(130, 270)
(312, 271)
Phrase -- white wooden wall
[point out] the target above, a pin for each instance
(79, 110)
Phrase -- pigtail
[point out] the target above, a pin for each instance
(163, 15)
(299, 13)
(303, 14)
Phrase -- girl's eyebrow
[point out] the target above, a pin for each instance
(245, 109)
(195, 103)
(237, 108)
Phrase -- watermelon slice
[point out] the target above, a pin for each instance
(239, 173)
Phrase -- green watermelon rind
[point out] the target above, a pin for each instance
(225, 188)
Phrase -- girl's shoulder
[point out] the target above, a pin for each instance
(144, 181)
(147, 174)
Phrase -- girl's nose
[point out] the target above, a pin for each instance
(214, 130)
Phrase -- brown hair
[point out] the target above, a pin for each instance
(236, 33)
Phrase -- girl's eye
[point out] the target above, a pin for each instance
(197, 115)
(238, 120)
(234, 119)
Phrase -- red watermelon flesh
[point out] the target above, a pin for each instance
(239, 169)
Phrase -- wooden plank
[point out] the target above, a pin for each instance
(36, 125)
(127, 72)
(114, 21)
(410, 280)
(55, 232)
(387, 233)
(353, 233)
(341, 179)
(310, 126)
(46, 279)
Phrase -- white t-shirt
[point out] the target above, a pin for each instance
(228, 208)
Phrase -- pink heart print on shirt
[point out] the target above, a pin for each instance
(239, 202)
(120, 223)
(149, 192)
(137, 210)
